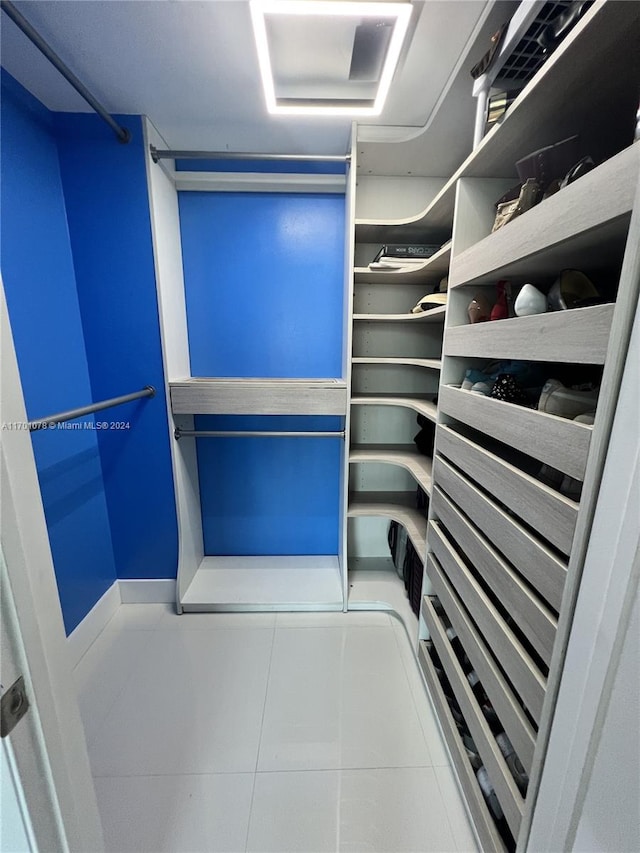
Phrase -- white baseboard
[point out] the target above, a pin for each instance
(156, 591)
(93, 623)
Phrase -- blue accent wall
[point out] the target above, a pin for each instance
(40, 286)
(105, 189)
(264, 285)
(264, 279)
(269, 495)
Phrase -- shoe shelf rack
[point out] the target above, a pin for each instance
(504, 548)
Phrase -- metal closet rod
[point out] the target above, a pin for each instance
(21, 22)
(162, 154)
(72, 414)
(207, 433)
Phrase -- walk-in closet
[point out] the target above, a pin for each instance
(320, 426)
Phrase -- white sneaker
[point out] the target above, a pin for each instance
(557, 399)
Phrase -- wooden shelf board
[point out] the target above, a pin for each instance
(421, 406)
(544, 112)
(431, 363)
(561, 443)
(577, 336)
(403, 455)
(399, 506)
(435, 315)
(239, 396)
(265, 583)
(557, 232)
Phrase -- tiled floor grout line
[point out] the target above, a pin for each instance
(118, 693)
(402, 654)
(264, 706)
(446, 809)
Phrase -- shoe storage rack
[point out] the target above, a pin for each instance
(504, 550)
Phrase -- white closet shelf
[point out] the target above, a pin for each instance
(238, 396)
(435, 315)
(606, 36)
(561, 443)
(403, 455)
(374, 584)
(570, 228)
(429, 270)
(265, 583)
(398, 506)
(421, 406)
(431, 363)
(577, 336)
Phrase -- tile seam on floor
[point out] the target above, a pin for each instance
(264, 705)
(414, 660)
(117, 695)
(463, 804)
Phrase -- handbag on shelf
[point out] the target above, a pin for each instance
(507, 209)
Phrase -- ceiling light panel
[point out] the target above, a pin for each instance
(327, 57)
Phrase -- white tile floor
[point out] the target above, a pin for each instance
(265, 732)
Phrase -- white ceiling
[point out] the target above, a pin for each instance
(191, 66)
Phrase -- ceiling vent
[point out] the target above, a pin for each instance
(327, 57)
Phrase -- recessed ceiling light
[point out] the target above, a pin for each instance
(358, 80)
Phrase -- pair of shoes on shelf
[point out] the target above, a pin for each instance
(565, 402)
(514, 764)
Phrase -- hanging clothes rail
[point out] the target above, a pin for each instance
(21, 22)
(205, 433)
(72, 414)
(161, 154)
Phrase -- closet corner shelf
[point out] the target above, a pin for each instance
(430, 363)
(239, 396)
(266, 583)
(576, 336)
(429, 269)
(435, 315)
(579, 221)
(561, 443)
(419, 405)
(403, 455)
(398, 506)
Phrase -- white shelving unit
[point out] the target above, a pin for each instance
(258, 582)
(504, 549)
(395, 366)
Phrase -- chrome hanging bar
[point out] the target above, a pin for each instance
(72, 414)
(160, 154)
(21, 22)
(207, 433)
